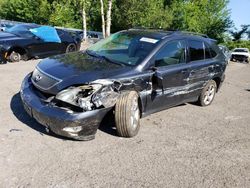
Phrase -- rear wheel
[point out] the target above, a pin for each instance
(14, 57)
(71, 48)
(208, 93)
(127, 115)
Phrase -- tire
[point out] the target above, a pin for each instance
(70, 48)
(247, 61)
(14, 57)
(127, 115)
(208, 93)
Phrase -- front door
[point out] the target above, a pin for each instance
(40, 48)
(171, 68)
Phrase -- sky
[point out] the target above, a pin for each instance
(240, 12)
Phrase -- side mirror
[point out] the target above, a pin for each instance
(157, 81)
(37, 38)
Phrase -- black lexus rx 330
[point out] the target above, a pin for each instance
(133, 73)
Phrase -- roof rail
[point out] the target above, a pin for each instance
(174, 31)
(194, 33)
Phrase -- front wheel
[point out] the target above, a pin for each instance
(71, 48)
(14, 57)
(127, 115)
(247, 61)
(208, 93)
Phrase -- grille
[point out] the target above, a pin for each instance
(42, 80)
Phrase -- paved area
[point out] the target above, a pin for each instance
(185, 146)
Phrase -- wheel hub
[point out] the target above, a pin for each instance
(209, 95)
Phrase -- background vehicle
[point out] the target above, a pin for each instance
(4, 26)
(18, 42)
(133, 73)
(93, 36)
(240, 54)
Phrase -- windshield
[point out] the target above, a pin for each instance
(240, 50)
(21, 30)
(125, 48)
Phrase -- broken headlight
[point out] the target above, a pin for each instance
(79, 96)
(89, 97)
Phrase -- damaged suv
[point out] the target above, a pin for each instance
(133, 73)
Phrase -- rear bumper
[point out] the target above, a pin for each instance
(79, 126)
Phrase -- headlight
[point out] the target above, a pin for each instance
(89, 97)
(79, 96)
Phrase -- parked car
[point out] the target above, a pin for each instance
(133, 73)
(4, 26)
(73, 32)
(240, 54)
(18, 42)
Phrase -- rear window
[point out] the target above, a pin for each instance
(209, 52)
(196, 50)
(199, 50)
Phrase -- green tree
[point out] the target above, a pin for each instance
(210, 17)
(35, 11)
(140, 13)
(66, 13)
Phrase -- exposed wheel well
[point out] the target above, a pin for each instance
(140, 105)
(19, 50)
(218, 82)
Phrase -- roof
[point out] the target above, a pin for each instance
(162, 34)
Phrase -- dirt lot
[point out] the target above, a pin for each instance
(186, 146)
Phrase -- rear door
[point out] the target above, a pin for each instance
(202, 66)
(170, 64)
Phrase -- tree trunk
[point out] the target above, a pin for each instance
(108, 25)
(84, 23)
(103, 19)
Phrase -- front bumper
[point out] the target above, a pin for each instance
(79, 126)
(240, 57)
(3, 59)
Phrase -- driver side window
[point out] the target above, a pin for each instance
(172, 53)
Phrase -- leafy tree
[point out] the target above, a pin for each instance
(35, 11)
(210, 17)
(141, 13)
(66, 13)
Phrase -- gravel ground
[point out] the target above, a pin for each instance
(185, 146)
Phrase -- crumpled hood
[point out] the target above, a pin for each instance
(59, 72)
